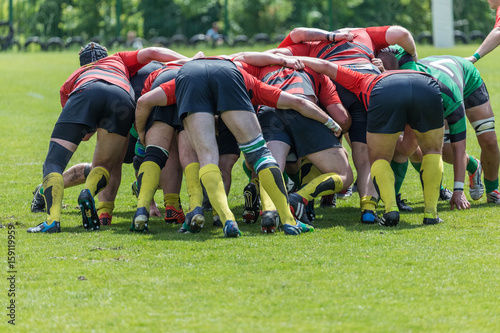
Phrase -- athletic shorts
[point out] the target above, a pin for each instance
(165, 114)
(226, 142)
(356, 108)
(406, 98)
(100, 104)
(212, 86)
(304, 135)
(477, 97)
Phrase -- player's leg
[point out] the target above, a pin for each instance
(171, 182)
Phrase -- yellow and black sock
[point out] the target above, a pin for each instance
(431, 175)
(147, 182)
(172, 199)
(211, 179)
(324, 184)
(193, 185)
(368, 203)
(273, 183)
(105, 207)
(97, 180)
(53, 191)
(383, 178)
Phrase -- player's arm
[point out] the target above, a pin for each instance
(145, 103)
(308, 109)
(321, 66)
(299, 35)
(489, 44)
(261, 59)
(396, 34)
(458, 145)
(340, 115)
(162, 54)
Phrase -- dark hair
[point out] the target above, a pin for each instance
(92, 52)
(388, 59)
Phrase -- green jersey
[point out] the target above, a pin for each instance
(457, 79)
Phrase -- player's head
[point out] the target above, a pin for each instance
(92, 52)
(494, 4)
(388, 59)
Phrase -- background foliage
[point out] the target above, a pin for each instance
(150, 18)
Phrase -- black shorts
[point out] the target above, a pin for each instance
(212, 86)
(100, 104)
(226, 142)
(304, 135)
(165, 114)
(477, 97)
(406, 98)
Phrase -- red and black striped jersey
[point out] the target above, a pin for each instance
(152, 77)
(305, 82)
(362, 49)
(115, 69)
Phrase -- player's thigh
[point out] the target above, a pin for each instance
(243, 124)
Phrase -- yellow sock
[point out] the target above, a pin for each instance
(431, 173)
(97, 180)
(308, 172)
(171, 199)
(383, 177)
(324, 184)
(265, 199)
(53, 191)
(368, 203)
(193, 185)
(211, 178)
(272, 180)
(147, 182)
(105, 207)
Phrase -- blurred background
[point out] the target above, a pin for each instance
(47, 25)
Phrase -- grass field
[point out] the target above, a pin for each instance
(345, 276)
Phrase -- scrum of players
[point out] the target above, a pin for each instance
(291, 111)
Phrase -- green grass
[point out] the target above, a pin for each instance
(343, 277)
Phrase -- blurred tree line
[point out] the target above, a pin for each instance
(151, 18)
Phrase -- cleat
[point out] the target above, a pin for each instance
(390, 219)
(194, 221)
(105, 219)
(328, 201)
(44, 227)
(38, 202)
(431, 220)
(140, 221)
(445, 194)
(493, 197)
(345, 193)
(298, 207)
(270, 221)
(476, 187)
(135, 189)
(252, 203)
(311, 214)
(297, 229)
(369, 217)
(217, 222)
(402, 205)
(89, 213)
(173, 215)
(231, 229)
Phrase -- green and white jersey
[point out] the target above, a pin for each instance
(457, 79)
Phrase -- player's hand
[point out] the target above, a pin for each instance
(471, 59)
(142, 136)
(88, 136)
(459, 201)
(377, 62)
(293, 63)
(346, 35)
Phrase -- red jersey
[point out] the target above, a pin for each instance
(306, 82)
(497, 21)
(260, 93)
(152, 77)
(365, 44)
(115, 69)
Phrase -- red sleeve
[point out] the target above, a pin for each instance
(286, 42)
(377, 35)
(350, 79)
(264, 94)
(64, 95)
(497, 21)
(301, 49)
(169, 89)
(250, 69)
(328, 94)
(130, 60)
